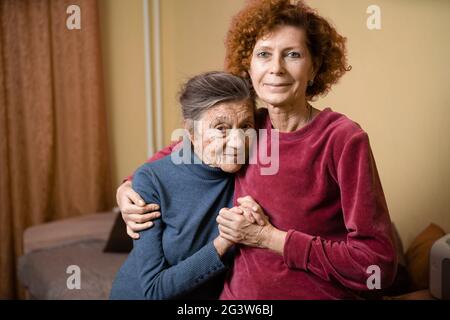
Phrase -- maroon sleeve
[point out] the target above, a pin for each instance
(369, 231)
(159, 155)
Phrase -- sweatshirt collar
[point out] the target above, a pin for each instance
(316, 122)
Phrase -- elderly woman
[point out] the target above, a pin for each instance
(182, 255)
(327, 231)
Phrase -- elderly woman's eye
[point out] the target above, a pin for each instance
(222, 129)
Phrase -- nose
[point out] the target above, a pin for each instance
(277, 66)
(235, 141)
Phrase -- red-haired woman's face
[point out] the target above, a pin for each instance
(281, 66)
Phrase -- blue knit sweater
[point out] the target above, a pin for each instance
(176, 258)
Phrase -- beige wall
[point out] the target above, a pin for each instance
(124, 67)
(397, 90)
(193, 34)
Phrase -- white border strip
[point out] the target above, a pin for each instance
(148, 80)
(157, 74)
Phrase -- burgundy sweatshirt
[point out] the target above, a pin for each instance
(328, 197)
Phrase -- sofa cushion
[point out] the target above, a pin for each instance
(418, 256)
(69, 230)
(44, 272)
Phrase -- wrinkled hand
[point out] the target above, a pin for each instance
(136, 214)
(236, 227)
(251, 210)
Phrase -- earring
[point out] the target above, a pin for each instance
(310, 83)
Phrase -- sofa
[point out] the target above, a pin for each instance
(98, 245)
(51, 248)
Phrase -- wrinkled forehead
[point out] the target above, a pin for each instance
(230, 112)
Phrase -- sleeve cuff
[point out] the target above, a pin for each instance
(296, 249)
(210, 263)
(212, 256)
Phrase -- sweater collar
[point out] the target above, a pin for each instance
(198, 167)
(318, 121)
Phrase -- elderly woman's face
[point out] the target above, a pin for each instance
(218, 136)
(281, 66)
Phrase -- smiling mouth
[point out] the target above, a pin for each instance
(277, 84)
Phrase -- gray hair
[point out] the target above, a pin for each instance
(206, 90)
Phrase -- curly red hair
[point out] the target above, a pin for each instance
(260, 17)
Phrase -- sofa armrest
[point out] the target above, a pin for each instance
(67, 231)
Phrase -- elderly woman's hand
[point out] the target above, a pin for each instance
(251, 211)
(234, 227)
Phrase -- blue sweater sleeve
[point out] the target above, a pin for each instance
(158, 279)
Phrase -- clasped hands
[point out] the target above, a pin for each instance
(245, 224)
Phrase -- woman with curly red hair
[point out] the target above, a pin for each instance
(325, 46)
(326, 222)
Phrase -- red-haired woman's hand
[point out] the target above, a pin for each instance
(252, 209)
(137, 215)
(235, 227)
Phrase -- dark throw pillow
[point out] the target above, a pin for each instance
(119, 241)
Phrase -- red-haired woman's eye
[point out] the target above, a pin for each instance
(294, 54)
(263, 54)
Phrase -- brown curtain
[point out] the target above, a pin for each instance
(53, 140)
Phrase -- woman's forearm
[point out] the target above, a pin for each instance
(273, 239)
(222, 245)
